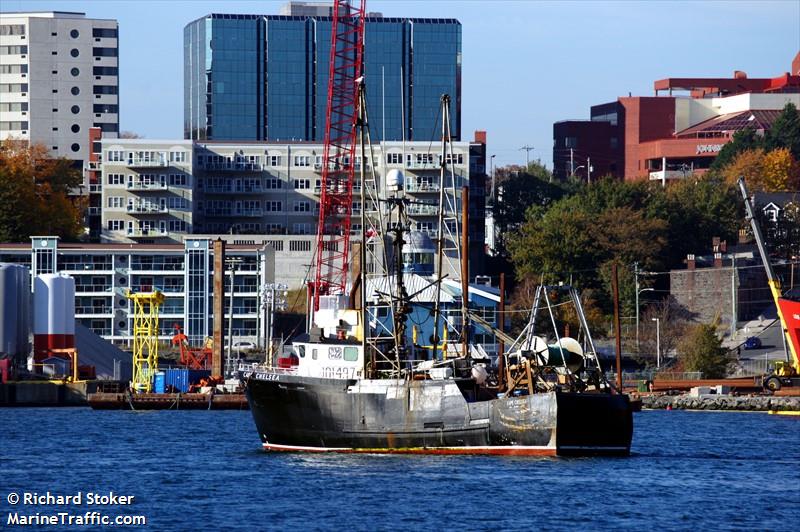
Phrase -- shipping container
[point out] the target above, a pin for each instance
(180, 379)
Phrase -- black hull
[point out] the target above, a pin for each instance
(311, 414)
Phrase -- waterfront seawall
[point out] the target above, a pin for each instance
(721, 402)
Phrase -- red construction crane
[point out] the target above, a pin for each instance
(338, 163)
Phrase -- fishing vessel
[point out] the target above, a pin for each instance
(362, 380)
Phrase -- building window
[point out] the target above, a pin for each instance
(104, 52)
(299, 245)
(176, 202)
(274, 229)
(177, 225)
(614, 143)
(14, 50)
(177, 156)
(571, 142)
(105, 89)
(115, 156)
(178, 180)
(116, 225)
(13, 106)
(12, 29)
(302, 184)
(74, 52)
(13, 87)
(116, 179)
(302, 206)
(13, 126)
(104, 32)
(75, 109)
(75, 147)
(273, 206)
(13, 69)
(75, 71)
(114, 202)
(274, 160)
(74, 34)
(301, 229)
(273, 184)
(104, 71)
(302, 160)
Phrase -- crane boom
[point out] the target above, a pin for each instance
(338, 163)
(788, 310)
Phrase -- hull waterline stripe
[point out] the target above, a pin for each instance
(499, 450)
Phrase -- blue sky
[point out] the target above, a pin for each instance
(526, 64)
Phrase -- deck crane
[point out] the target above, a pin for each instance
(338, 164)
(786, 373)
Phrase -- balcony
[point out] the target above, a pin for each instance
(669, 174)
(238, 189)
(230, 213)
(423, 210)
(423, 186)
(92, 288)
(146, 208)
(94, 310)
(146, 233)
(145, 185)
(148, 163)
(423, 165)
(233, 167)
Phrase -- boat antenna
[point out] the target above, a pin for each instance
(437, 308)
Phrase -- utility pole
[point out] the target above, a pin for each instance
(528, 150)
(571, 162)
(733, 295)
(636, 283)
(588, 170)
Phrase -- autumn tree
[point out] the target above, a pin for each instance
(34, 193)
(780, 170)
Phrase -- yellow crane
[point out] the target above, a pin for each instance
(145, 338)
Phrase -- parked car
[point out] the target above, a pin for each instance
(754, 342)
(243, 346)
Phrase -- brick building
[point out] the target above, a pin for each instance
(670, 136)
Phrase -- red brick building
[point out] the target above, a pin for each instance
(670, 136)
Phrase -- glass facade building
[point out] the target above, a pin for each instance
(265, 77)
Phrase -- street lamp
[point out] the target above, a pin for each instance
(658, 341)
(637, 308)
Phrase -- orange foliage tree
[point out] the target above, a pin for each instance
(34, 193)
(781, 171)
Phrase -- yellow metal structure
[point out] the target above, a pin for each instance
(145, 338)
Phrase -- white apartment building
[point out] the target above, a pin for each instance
(163, 191)
(58, 77)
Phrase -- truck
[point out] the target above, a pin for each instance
(787, 373)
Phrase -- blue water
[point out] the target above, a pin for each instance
(205, 470)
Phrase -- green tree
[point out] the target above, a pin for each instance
(519, 189)
(34, 193)
(743, 140)
(695, 212)
(701, 350)
(785, 132)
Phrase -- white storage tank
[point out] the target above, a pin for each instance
(15, 312)
(53, 314)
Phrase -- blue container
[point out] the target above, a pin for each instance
(179, 379)
(159, 382)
